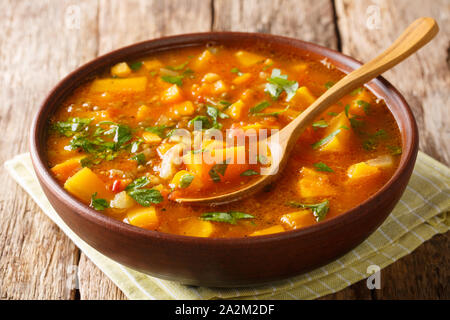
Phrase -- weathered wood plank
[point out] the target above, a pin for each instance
(40, 43)
(121, 23)
(310, 20)
(424, 80)
(367, 27)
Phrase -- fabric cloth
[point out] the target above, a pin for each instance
(421, 213)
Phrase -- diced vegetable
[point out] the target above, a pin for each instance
(361, 103)
(144, 113)
(248, 59)
(235, 110)
(66, 169)
(362, 170)
(152, 64)
(196, 227)
(172, 94)
(122, 201)
(340, 142)
(313, 184)
(183, 109)
(184, 179)
(85, 183)
(121, 70)
(242, 79)
(303, 98)
(270, 230)
(151, 138)
(298, 219)
(203, 60)
(381, 162)
(144, 217)
(137, 84)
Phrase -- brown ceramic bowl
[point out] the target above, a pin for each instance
(236, 261)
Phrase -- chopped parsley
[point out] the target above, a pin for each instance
(325, 140)
(395, 150)
(136, 65)
(227, 217)
(277, 83)
(178, 80)
(329, 84)
(236, 71)
(259, 107)
(145, 197)
(158, 130)
(140, 158)
(320, 166)
(218, 170)
(249, 173)
(320, 124)
(98, 203)
(365, 105)
(319, 210)
(71, 126)
(186, 180)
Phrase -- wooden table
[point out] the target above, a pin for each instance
(41, 41)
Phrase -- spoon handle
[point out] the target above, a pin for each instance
(419, 33)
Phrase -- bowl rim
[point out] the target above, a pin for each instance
(409, 151)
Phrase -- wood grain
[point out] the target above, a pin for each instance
(424, 79)
(36, 257)
(41, 42)
(310, 20)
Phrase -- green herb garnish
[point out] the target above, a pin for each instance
(145, 197)
(325, 140)
(98, 203)
(158, 130)
(136, 65)
(329, 84)
(218, 170)
(319, 210)
(186, 180)
(320, 166)
(227, 217)
(71, 126)
(365, 105)
(140, 158)
(259, 107)
(236, 70)
(277, 83)
(178, 80)
(395, 150)
(249, 173)
(320, 124)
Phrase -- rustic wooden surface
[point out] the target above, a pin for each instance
(42, 41)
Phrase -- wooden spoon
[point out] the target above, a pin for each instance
(419, 33)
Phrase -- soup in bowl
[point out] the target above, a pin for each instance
(119, 140)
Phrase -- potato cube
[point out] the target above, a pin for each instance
(360, 103)
(298, 219)
(172, 94)
(151, 138)
(248, 59)
(183, 109)
(121, 70)
(245, 78)
(382, 162)
(195, 227)
(203, 60)
(66, 169)
(85, 183)
(137, 84)
(303, 98)
(314, 184)
(179, 181)
(144, 217)
(341, 141)
(235, 110)
(219, 87)
(270, 230)
(152, 64)
(362, 170)
(144, 113)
